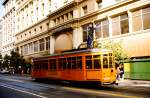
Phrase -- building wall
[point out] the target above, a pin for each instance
(8, 27)
(0, 35)
(112, 21)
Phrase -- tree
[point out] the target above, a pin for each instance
(18, 62)
(14, 59)
(117, 49)
(1, 60)
(6, 61)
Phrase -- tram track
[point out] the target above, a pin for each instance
(53, 90)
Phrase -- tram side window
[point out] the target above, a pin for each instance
(105, 61)
(73, 62)
(110, 60)
(60, 63)
(64, 63)
(45, 64)
(88, 62)
(79, 62)
(35, 65)
(97, 61)
(68, 62)
(53, 64)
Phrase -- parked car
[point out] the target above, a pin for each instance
(5, 72)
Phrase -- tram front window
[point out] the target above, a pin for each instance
(105, 61)
(97, 61)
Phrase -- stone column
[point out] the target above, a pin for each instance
(77, 37)
(52, 44)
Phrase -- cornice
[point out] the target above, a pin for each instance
(63, 8)
(4, 2)
(11, 10)
(33, 25)
(103, 10)
(42, 33)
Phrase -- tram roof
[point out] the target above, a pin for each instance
(83, 51)
(79, 52)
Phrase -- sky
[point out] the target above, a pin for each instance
(1, 8)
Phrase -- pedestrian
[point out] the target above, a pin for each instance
(118, 73)
(121, 71)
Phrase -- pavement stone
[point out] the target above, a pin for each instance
(128, 82)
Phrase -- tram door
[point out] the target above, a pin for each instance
(93, 67)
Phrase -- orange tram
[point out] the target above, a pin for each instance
(91, 65)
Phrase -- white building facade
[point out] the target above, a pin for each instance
(0, 35)
(45, 27)
(8, 28)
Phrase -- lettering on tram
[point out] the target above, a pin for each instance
(91, 65)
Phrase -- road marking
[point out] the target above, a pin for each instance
(99, 92)
(24, 91)
(14, 80)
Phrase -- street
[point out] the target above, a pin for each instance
(26, 87)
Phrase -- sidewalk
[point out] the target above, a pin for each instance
(128, 82)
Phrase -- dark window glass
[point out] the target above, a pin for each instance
(124, 24)
(110, 62)
(68, 63)
(53, 64)
(146, 18)
(105, 62)
(47, 43)
(85, 32)
(88, 62)
(64, 63)
(60, 63)
(97, 61)
(79, 62)
(73, 60)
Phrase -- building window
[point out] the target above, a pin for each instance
(41, 44)
(120, 25)
(37, 13)
(98, 32)
(41, 28)
(105, 28)
(61, 19)
(54, 21)
(36, 46)
(21, 50)
(116, 26)
(146, 18)
(66, 17)
(26, 49)
(34, 30)
(85, 32)
(47, 43)
(58, 20)
(47, 25)
(30, 48)
(85, 10)
(136, 20)
(140, 19)
(124, 22)
(102, 29)
(71, 15)
(30, 33)
(99, 3)
(42, 9)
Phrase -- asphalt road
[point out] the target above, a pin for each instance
(25, 87)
